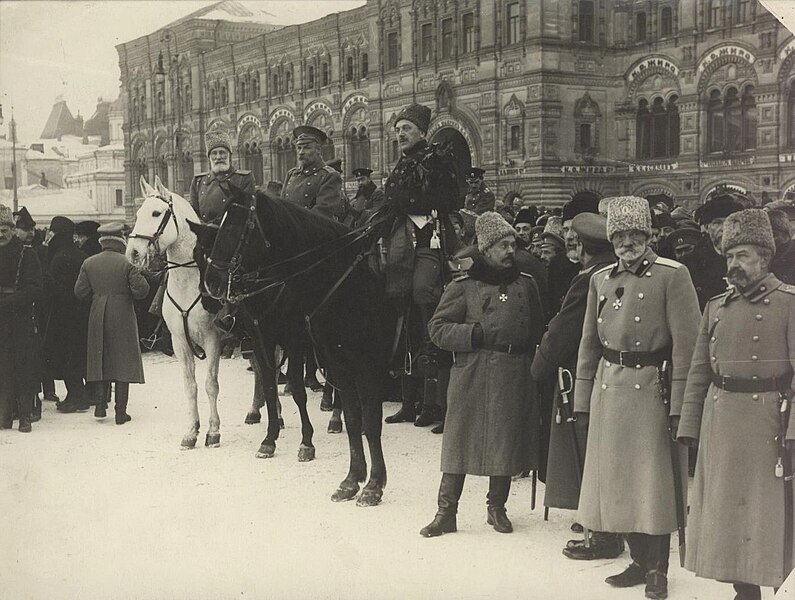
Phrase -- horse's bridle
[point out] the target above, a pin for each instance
(154, 240)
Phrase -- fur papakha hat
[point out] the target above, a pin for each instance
(418, 114)
(749, 226)
(6, 216)
(628, 213)
(217, 138)
(490, 228)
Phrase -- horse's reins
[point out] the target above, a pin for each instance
(154, 241)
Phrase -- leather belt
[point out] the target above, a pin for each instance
(628, 358)
(506, 348)
(742, 384)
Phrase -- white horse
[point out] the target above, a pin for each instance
(161, 224)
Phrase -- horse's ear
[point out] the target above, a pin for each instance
(161, 189)
(196, 228)
(146, 189)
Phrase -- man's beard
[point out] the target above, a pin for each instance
(220, 167)
(738, 277)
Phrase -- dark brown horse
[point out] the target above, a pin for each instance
(265, 244)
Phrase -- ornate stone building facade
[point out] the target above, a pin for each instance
(552, 97)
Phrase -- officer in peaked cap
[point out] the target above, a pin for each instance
(206, 194)
(369, 197)
(683, 242)
(479, 198)
(312, 183)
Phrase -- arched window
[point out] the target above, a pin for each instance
(657, 129)
(349, 69)
(288, 82)
(213, 97)
(255, 86)
(187, 99)
(144, 112)
(242, 86)
(643, 131)
(139, 169)
(750, 116)
(135, 110)
(715, 139)
(187, 171)
(252, 160)
(310, 77)
(161, 104)
(733, 119)
(673, 127)
(359, 151)
(791, 115)
(224, 94)
(284, 155)
(327, 150)
(365, 65)
(585, 21)
(275, 85)
(325, 74)
(161, 169)
(667, 21)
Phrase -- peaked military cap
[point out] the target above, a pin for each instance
(24, 220)
(591, 227)
(336, 164)
(684, 237)
(307, 133)
(86, 228)
(362, 172)
(111, 230)
(475, 173)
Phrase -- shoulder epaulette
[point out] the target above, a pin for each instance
(201, 175)
(787, 288)
(242, 172)
(528, 275)
(667, 262)
(329, 169)
(461, 277)
(605, 268)
(719, 296)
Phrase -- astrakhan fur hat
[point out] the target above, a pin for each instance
(628, 213)
(217, 138)
(749, 226)
(490, 228)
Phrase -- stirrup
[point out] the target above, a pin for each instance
(150, 342)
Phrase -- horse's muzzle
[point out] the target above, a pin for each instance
(216, 282)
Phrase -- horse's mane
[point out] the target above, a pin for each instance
(296, 226)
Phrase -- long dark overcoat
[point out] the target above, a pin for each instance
(112, 283)
(558, 349)
(20, 286)
(65, 332)
(736, 526)
(491, 427)
(628, 484)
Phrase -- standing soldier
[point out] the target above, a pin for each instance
(206, 195)
(641, 318)
(558, 353)
(369, 198)
(20, 286)
(313, 184)
(478, 200)
(736, 407)
(492, 319)
(111, 283)
(420, 193)
(706, 265)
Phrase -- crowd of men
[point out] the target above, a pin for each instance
(598, 344)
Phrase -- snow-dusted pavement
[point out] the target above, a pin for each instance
(91, 510)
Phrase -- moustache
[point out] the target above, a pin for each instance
(735, 272)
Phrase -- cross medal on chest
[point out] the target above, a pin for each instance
(503, 297)
(617, 302)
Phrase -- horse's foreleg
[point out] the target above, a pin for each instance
(213, 439)
(267, 381)
(370, 397)
(258, 399)
(357, 472)
(191, 391)
(295, 375)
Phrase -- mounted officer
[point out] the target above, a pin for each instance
(419, 237)
(313, 184)
(206, 196)
(369, 198)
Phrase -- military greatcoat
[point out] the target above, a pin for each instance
(208, 199)
(491, 426)
(628, 483)
(318, 188)
(736, 528)
(558, 349)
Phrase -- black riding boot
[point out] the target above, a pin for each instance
(747, 591)
(430, 410)
(101, 390)
(122, 395)
(499, 487)
(35, 413)
(407, 412)
(450, 489)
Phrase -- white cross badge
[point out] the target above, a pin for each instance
(503, 297)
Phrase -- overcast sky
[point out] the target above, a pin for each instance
(58, 47)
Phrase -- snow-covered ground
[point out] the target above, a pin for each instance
(92, 510)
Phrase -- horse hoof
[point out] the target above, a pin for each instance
(306, 453)
(281, 423)
(335, 425)
(213, 440)
(253, 418)
(188, 443)
(344, 493)
(370, 498)
(266, 451)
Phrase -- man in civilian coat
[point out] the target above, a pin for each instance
(111, 283)
(65, 333)
(20, 286)
(641, 312)
(558, 350)
(492, 319)
(740, 376)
